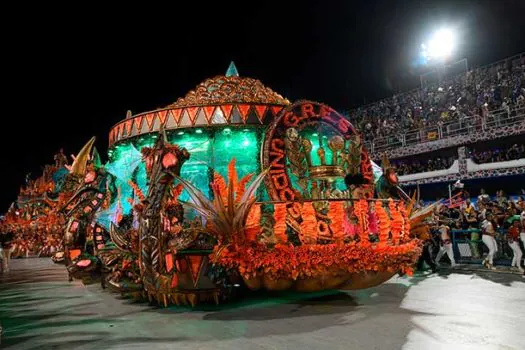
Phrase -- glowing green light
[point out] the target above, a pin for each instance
(315, 135)
(246, 130)
(198, 131)
(245, 155)
(227, 131)
(180, 133)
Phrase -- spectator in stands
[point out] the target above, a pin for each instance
(506, 154)
(483, 196)
(410, 166)
(482, 211)
(513, 209)
(502, 199)
(488, 237)
(497, 212)
(513, 240)
(469, 214)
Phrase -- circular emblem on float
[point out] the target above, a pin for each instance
(307, 149)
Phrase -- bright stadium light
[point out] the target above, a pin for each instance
(440, 46)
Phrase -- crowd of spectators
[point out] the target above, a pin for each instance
(469, 215)
(413, 166)
(501, 154)
(476, 93)
(498, 154)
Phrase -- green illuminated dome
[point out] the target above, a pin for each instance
(222, 118)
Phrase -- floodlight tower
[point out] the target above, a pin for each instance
(439, 49)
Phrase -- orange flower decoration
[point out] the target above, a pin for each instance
(313, 260)
(336, 214)
(384, 222)
(309, 224)
(279, 229)
(397, 221)
(361, 211)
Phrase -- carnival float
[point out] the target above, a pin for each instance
(230, 185)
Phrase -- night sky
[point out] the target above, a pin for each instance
(71, 73)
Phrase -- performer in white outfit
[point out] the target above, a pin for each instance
(522, 234)
(513, 240)
(446, 245)
(488, 238)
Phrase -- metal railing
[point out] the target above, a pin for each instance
(461, 126)
(469, 248)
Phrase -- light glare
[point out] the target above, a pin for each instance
(440, 46)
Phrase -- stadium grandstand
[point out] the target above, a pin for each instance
(468, 127)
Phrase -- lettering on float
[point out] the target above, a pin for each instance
(302, 114)
(307, 113)
(278, 170)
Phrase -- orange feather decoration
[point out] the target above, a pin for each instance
(232, 174)
(241, 186)
(253, 223)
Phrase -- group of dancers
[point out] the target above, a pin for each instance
(440, 236)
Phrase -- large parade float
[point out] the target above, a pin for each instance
(232, 185)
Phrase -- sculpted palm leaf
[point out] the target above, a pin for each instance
(227, 221)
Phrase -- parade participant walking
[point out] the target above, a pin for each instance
(489, 233)
(446, 245)
(522, 234)
(513, 240)
(5, 244)
(426, 255)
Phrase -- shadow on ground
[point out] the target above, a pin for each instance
(39, 309)
(501, 277)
